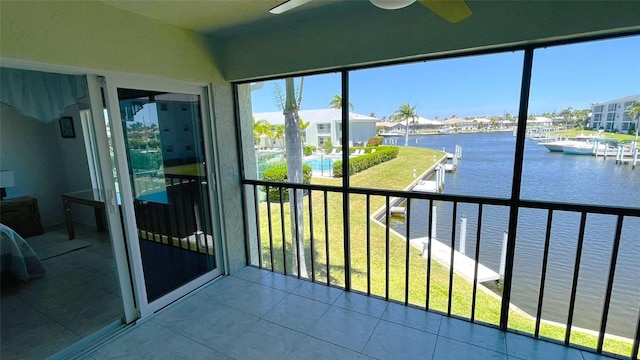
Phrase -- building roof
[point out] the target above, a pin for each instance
(387, 124)
(620, 100)
(540, 119)
(313, 116)
(424, 121)
(455, 121)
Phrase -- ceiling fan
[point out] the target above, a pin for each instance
(450, 10)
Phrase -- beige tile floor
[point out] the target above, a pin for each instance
(78, 296)
(257, 314)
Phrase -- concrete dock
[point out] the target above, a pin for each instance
(462, 264)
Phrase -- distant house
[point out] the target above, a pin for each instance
(326, 125)
(613, 114)
(421, 123)
(482, 123)
(390, 127)
(540, 121)
(460, 124)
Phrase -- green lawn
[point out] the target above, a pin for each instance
(395, 174)
(607, 135)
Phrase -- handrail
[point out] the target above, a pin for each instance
(531, 204)
(254, 187)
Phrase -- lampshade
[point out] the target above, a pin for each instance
(392, 4)
(6, 179)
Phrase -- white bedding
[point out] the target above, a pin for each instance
(17, 257)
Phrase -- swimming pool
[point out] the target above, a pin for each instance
(321, 164)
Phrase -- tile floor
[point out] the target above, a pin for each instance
(78, 296)
(258, 314)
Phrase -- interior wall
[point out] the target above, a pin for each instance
(91, 35)
(45, 165)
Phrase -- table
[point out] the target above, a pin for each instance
(94, 198)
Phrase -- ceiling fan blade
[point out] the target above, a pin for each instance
(287, 5)
(451, 10)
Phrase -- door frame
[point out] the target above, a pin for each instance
(113, 82)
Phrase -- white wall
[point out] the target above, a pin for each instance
(92, 35)
(45, 165)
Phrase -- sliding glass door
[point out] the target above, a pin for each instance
(168, 202)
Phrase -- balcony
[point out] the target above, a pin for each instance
(371, 256)
(259, 314)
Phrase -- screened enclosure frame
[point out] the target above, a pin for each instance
(514, 202)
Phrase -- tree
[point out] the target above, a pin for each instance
(262, 128)
(336, 103)
(303, 126)
(290, 104)
(507, 116)
(372, 114)
(279, 135)
(405, 112)
(634, 114)
(580, 118)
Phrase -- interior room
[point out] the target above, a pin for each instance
(68, 289)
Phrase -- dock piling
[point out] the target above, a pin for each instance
(463, 234)
(434, 221)
(503, 254)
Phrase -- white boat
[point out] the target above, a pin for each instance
(578, 148)
(554, 146)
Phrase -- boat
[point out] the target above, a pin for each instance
(578, 148)
(554, 146)
(580, 145)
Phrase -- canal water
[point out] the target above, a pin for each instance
(486, 170)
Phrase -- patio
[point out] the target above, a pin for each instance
(259, 314)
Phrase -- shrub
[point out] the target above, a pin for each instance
(632, 129)
(375, 141)
(308, 150)
(279, 174)
(363, 162)
(327, 146)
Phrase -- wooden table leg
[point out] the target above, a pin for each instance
(100, 216)
(67, 216)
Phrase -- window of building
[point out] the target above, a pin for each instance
(612, 107)
(597, 108)
(597, 119)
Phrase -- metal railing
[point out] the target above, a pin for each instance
(269, 245)
(179, 217)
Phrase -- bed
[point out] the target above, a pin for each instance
(17, 257)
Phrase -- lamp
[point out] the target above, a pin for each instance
(392, 4)
(6, 180)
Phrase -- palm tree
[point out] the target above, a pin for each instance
(279, 134)
(303, 126)
(634, 113)
(260, 128)
(336, 103)
(290, 105)
(405, 112)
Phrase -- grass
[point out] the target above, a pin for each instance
(395, 174)
(607, 135)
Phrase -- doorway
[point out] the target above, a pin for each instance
(163, 156)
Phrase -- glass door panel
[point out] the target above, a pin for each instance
(167, 166)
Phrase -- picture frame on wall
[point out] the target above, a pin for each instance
(66, 127)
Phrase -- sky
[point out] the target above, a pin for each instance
(563, 76)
